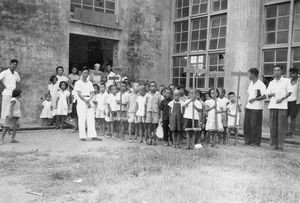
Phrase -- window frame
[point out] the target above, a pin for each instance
(93, 7)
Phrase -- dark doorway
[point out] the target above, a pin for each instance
(86, 51)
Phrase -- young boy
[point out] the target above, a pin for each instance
(111, 115)
(100, 110)
(192, 108)
(223, 102)
(140, 113)
(152, 117)
(122, 108)
(131, 113)
(165, 115)
(233, 115)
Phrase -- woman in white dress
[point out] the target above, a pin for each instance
(85, 110)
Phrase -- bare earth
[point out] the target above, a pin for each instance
(63, 169)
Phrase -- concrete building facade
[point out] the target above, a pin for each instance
(149, 40)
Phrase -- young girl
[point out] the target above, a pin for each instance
(46, 114)
(233, 115)
(52, 90)
(62, 104)
(111, 116)
(140, 113)
(100, 109)
(223, 102)
(12, 116)
(131, 113)
(73, 76)
(176, 118)
(214, 121)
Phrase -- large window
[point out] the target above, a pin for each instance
(106, 6)
(199, 41)
(281, 38)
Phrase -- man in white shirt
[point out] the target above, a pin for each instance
(278, 91)
(294, 100)
(254, 109)
(9, 78)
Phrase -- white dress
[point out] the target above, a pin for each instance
(53, 89)
(46, 112)
(62, 105)
(210, 123)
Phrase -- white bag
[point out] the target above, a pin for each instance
(159, 132)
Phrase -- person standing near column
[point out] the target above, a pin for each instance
(9, 78)
(254, 109)
(293, 101)
(278, 91)
(85, 110)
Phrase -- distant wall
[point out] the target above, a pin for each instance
(36, 33)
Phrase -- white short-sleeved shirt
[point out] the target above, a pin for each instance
(222, 103)
(84, 87)
(16, 111)
(9, 80)
(280, 87)
(188, 113)
(61, 78)
(101, 99)
(112, 101)
(125, 100)
(141, 102)
(252, 91)
(293, 96)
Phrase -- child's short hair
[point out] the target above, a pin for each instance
(63, 82)
(152, 82)
(14, 61)
(294, 70)
(231, 93)
(16, 93)
(52, 78)
(95, 85)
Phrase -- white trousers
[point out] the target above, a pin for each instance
(5, 104)
(86, 118)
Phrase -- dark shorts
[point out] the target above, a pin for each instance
(74, 110)
(11, 122)
(293, 109)
(188, 123)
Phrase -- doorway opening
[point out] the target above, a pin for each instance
(87, 50)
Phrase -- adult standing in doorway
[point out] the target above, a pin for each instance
(85, 110)
(9, 78)
(278, 91)
(96, 74)
(254, 109)
(60, 75)
(293, 100)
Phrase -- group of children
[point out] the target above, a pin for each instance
(141, 108)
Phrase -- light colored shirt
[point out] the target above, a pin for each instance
(110, 82)
(9, 80)
(84, 87)
(153, 101)
(280, 88)
(132, 102)
(141, 103)
(293, 96)
(112, 102)
(188, 112)
(16, 111)
(223, 103)
(252, 91)
(125, 100)
(101, 99)
(53, 89)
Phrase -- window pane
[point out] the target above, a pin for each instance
(297, 7)
(195, 35)
(268, 69)
(185, 3)
(214, 32)
(203, 22)
(195, 9)
(185, 25)
(203, 8)
(176, 61)
(178, 13)
(296, 54)
(269, 56)
(99, 3)
(297, 65)
(283, 9)
(281, 55)
(184, 47)
(211, 83)
(175, 72)
(202, 45)
(195, 24)
(222, 43)
(177, 48)
(270, 38)
(203, 34)
(271, 11)
(76, 1)
(216, 5)
(282, 37)
(201, 82)
(178, 3)
(194, 46)
(87, 2)
(177, 37)
(185, 12)
(271, 25)
(184, 37)
(110, 5)
(223, 32)
(223, 4)
(283, 23)
(213, 68)
(296, 36)
(213, 59)
(220, 82)
(297, 21)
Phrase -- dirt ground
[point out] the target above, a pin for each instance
(64, 169)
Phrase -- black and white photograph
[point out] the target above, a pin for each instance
(150, 101)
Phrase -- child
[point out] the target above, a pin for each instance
(73, 76)
(192, 108)
(74, 97)
(46, 114)
(176, 118)
(232, 115)
(165, 115)
(223, 102)
(152, 117)
(214, 119)
(111, 116)
(52, 90)
(100, 109)
(140, 113)
(131, 113)
(12, 116)
(62, 104)
(122, 108)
